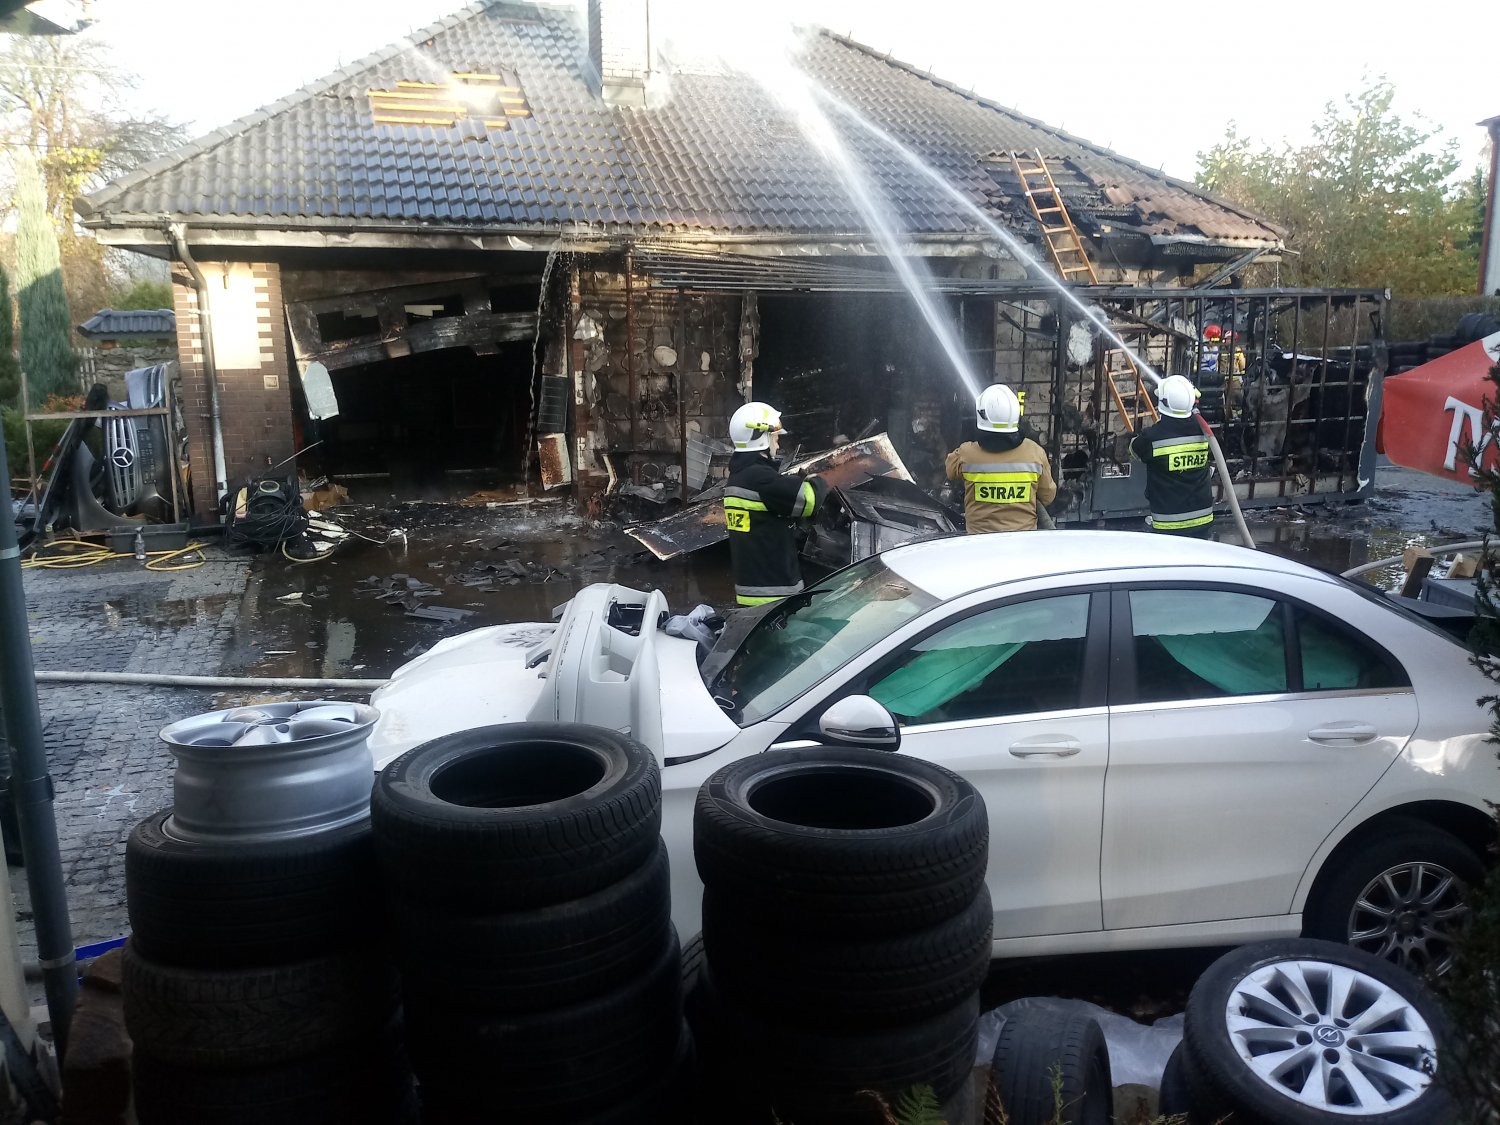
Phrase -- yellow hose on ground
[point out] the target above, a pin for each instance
(93, 554)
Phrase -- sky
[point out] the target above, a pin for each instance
(1157, 83)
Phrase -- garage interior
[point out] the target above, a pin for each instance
(435, 383)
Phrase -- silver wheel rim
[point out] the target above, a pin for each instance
(1410, 914)
(1331, 1037)
(272, 771)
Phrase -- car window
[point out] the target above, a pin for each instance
(1334, 659)
(1011, 660)
(1206, 644)
(812, 634)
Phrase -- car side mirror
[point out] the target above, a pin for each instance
(858, 720)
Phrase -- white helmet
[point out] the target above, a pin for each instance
(998, 409)
(1177, 397)
(751, 426)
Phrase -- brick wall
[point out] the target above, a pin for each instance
(255, 402)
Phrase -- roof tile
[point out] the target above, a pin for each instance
(721, 154)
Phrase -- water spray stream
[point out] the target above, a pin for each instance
(1092, 312)
(794, 91)
(1003, 236)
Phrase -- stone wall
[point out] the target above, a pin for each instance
(100, 363)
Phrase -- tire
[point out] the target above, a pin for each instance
(844, 840)
(847, 981)
(1230, 1019)
(561, 1063)
(1476, 326)
(516, 816)
(237, 1019)
(363, 1082)
(1052, 1068)
(546, 957)
(693, 963)
(661, 1099)
(1174, 1098)
(802, 1074)
(1339, 907)
(231, 906)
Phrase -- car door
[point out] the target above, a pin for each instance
(1012, 696)
(1244, 726)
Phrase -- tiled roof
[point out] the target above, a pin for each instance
(720, 156)
(113, 324)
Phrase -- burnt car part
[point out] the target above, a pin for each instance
(874, 516)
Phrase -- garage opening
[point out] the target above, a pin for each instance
(429, 425)
(842, 366)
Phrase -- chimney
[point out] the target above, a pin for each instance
(620, 49)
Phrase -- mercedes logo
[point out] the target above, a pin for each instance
(121, 457)
(1329, 1036)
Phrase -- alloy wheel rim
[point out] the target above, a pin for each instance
(1410, 914)
(1331, 1037)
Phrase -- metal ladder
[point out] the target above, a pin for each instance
(1064, 246)
(1135, 386)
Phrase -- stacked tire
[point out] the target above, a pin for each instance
(527, 893)
(846, 932)
(1307, 1032)
(256, 984)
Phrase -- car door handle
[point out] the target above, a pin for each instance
(1046, 748)
(1344, 732)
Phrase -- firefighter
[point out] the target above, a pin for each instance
(761, 506)
(1005, 473)
(1175, 453)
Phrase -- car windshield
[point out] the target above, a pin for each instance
(815, 633)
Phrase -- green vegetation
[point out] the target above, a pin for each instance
(10, 370)
(142, 294)
(48, 363)
(1368, 202)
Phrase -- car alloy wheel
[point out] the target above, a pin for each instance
(1331, 1037)
(1410, 914)
(273, 771)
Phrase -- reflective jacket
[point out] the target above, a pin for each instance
(759, 507)
(1176, 455)
(1002, 483)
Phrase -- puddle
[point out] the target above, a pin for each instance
(510, 563)
(143, 609)
(459, 559)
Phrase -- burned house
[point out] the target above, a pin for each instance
(523, 251)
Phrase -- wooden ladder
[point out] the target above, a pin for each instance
(1063, 243)
(1135, 386)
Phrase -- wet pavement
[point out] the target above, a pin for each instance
(495, 564)
(518, 562)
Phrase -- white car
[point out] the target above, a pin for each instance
(1179, 742)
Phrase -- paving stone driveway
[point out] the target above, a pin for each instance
(108, 767)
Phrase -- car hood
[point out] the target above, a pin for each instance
(476, 679)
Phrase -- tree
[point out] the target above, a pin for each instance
(48, 363)
(61, 97)
(1367, 202)
(10, 370)
(61, 100)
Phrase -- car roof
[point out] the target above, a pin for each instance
(957, 565)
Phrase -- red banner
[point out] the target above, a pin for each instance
(1432, 413)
